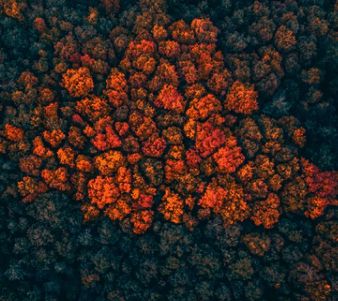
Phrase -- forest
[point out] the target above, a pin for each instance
(168, 150)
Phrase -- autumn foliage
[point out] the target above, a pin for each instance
(241, 99)
(78, 82)
(168, 129)
(168, 150)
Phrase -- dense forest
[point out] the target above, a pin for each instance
(168, 150)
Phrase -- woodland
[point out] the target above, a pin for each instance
(168, 150)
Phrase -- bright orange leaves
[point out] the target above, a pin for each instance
(93, 108)
(54, 138)
(241, 99)
(78, 82)
(205, 31)
(141, 220)
(204, 107)
(108, 163)
(170, 99)
(172, 207)
(213, 197)
(57, 179)
(323, 187)
(154, 146)
(107, 140)
(228, 159)
(267, 212)
(102, 191)
(208, 138)
(13, 133)
(164, 131)
(116, 85)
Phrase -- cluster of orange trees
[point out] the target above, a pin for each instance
(169, 131)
